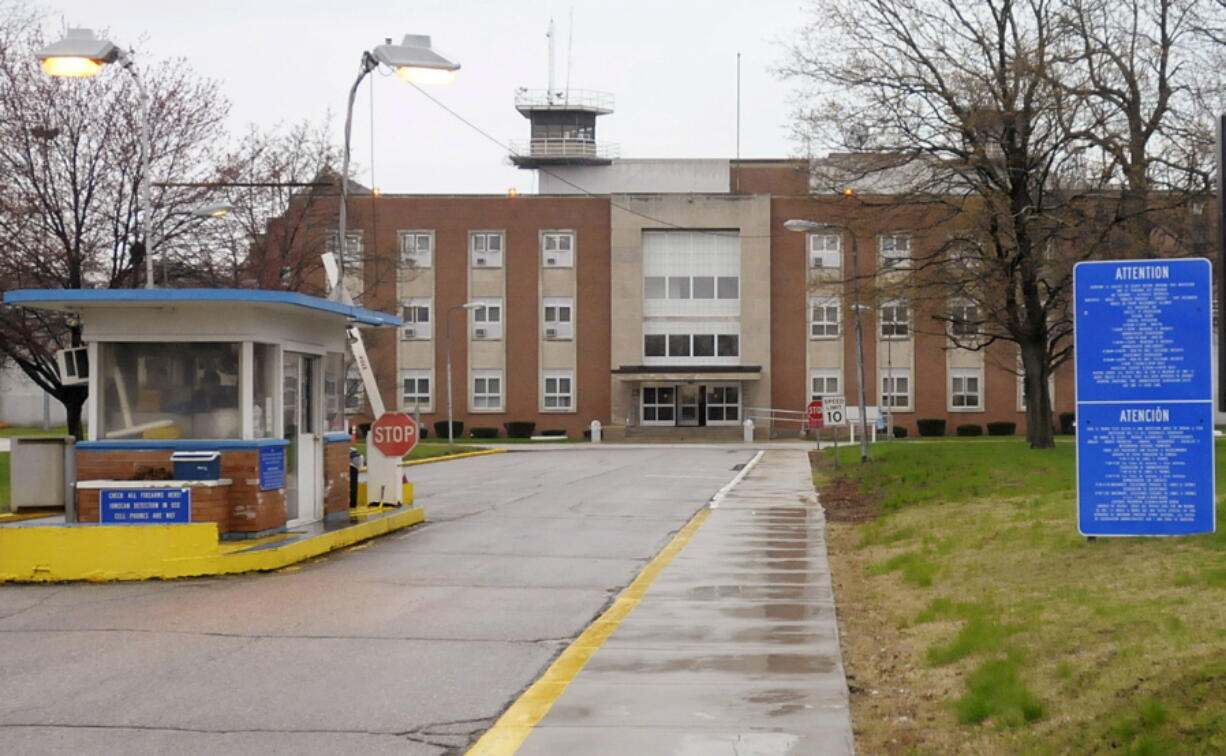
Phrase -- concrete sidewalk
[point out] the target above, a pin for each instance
(733, 649)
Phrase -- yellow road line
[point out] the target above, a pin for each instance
(461, 455)
(516, 723)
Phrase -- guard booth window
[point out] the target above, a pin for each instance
(169, 390)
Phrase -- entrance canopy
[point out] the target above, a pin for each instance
(678, 374)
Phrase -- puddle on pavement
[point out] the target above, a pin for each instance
(782, 664)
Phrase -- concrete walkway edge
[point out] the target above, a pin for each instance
(734, 648)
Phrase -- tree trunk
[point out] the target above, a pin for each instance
(1039, 431)
(73, 398)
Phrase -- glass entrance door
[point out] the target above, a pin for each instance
(303, 458)
(687, 405)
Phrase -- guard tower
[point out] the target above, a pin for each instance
(563, 128)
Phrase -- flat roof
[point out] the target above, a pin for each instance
(71, 299)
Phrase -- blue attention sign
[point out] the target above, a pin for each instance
(272, 468)
(145, 506)
(1143, 331)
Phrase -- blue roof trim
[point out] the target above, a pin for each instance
(258, 296)
(181, 444)
(336, 436)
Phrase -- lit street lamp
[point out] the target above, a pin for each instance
(80, 53)
(447, 338)
(806, 226)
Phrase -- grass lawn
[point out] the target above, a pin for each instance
(426, 449)
(21, 430)
(975, 619)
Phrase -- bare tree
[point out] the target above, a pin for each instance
(282, 194)
(69, 154)
(999, 117)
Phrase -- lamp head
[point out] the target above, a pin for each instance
(415, 61)
(80, 53)
(212, 211)
(473, 306)
(796, 224)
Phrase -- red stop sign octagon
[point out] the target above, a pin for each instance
(394, 434)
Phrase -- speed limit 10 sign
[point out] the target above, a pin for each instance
(835, 410)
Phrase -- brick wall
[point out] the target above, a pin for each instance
(209, 504)
(239, 507)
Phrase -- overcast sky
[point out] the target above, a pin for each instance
(670, 64)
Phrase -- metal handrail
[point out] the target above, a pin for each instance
(777, 415)
(561, 99)
(563, 147)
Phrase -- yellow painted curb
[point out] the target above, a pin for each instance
(22, 516)
(461, 455)
(517, 722)
(54, 553)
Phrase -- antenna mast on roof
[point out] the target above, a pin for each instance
(570, 48)
(550, 94)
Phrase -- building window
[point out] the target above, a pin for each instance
(824, 318)
(417, 248)
(895, 320)
(486, 247)
(691, 345)
(823, 383)
(965, 387)
(559, 312)
(487, 319)
(825, 251)
(963, 319)
(351, 261)
(895, 251)
(415, 389)
(728, 345)
(558, 249)
(559, 389)
(487, 390)
(416, 313)
(679, 345)
(723, 404)
(896, 388)
(655, 345)
(659, 404)
(691, 287)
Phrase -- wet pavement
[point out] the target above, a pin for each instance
(733, 650)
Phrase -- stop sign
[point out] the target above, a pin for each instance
(813, 412)
(394, 434)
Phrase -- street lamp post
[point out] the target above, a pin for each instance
(414, 61)
(80, 54)
(810, 226)
(447, 338)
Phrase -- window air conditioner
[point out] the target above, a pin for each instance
(480, 261)
(551, 333)
(551, 261)
(74, 365)
(479, 333)
(410, 333)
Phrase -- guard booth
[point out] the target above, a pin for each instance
(234, 396)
